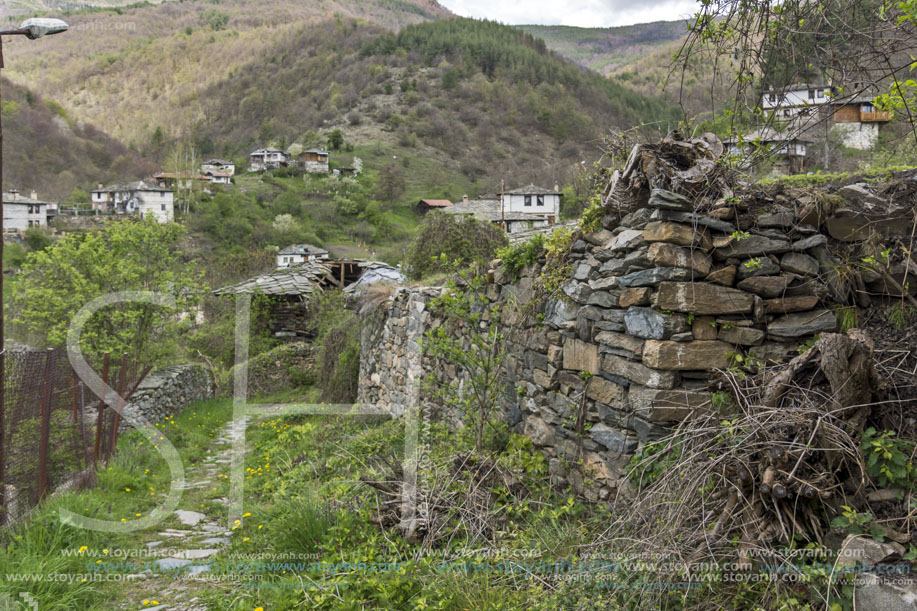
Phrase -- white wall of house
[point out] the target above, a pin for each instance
(316, 167)
(288, 260)
(533, 204)
(796, 97)
(860, 136)
(158, 204)
(517, 226)
(21, 216)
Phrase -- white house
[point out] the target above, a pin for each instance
(855, 119)
(533, 200)
(21, 212)
(219, 178)
(300, 253)
(136, 198)
(519, 210)
(218, 166)
(267, 158)
(800, 98)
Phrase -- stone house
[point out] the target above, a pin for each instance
(314, 161)
(139, 198)
(268, 158)
(21, 212)
(218, 166)
(519, 210)
(854, 119)
(788, 149)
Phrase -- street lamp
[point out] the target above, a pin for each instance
(31, 29)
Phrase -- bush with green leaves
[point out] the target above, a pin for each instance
(889, 459)
(443, 239)
(337, 345)
(55, 283)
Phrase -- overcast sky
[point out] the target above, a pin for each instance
(583, 13)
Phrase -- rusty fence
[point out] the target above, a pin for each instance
(54, 430)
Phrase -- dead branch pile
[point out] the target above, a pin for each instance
(678, 164)
(780, 462)
(443, 501)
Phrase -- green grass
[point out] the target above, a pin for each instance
(823, 178)
(131, 483)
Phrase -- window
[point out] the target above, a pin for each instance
(868, 108)
(540, 201)
(821, 93)
(771, 98)
(163, 207)
(528, 200)
(811, 94)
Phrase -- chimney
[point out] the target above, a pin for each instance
(14, 195)
(556, 188)
(465, 199)
(100, 186)
(33, 195)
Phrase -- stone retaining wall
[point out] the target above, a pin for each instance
(653, 305)
(168, 391)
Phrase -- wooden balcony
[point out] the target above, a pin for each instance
(877, 116)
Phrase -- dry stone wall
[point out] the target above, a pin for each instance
(168, 391)
(653, 305)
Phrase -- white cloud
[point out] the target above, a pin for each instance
(582, 13)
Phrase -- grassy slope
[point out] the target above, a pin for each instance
(303, 499)
(607, 50)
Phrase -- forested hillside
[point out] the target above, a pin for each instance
(46, 149)
(607, 50)
(486, 98)
(483, 100)
(133, 70)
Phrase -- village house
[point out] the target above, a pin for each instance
(787, 149)
(138, 198)
(218, 166)
(519, 210)
(300, 253)
(425, 205)
(314, 161)
(854, 118)
(21, 212)
(185, 180)
(268, 158)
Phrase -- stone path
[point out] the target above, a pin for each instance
(198, 539)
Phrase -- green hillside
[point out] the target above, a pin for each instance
(607, 50)
(482, 100)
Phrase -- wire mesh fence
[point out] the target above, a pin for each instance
(54, 429)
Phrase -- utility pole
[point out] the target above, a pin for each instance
(31, 29)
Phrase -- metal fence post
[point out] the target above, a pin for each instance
(44, 439)
(122, 380)
(95, 452)
(73, 391)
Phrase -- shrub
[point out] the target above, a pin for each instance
(443, 239)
